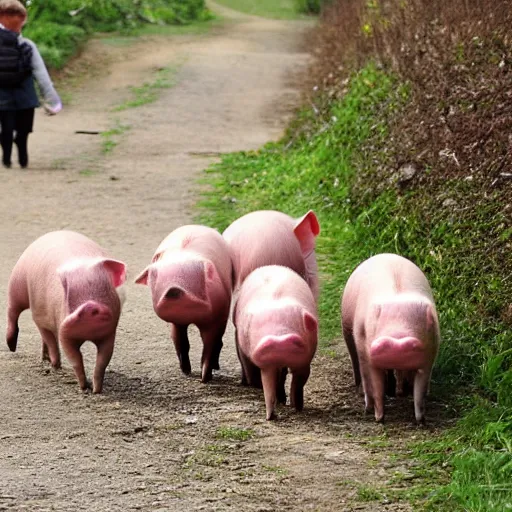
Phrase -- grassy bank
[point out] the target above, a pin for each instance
(324, 164)
(60, 27)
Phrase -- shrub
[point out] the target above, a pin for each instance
(309, 6)
(61, 26)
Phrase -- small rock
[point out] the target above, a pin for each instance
(406, 173)
(449, 202)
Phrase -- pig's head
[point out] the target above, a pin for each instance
(403, 333)
(282, 335)
(182, 289)
(92, 303)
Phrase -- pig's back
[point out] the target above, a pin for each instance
(263, 238)
(204, 241)
(38, 264)
(381, 276)
(276, 282)
(56, 248)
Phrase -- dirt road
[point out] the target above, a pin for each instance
(157, 440)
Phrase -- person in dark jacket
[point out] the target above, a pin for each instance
(18, 102)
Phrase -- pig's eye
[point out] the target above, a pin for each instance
(174, 293)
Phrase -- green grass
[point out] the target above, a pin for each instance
(110, 138)
(149, 92)
(87, 172)
(330, 164)
(278, 9)
(234, 433)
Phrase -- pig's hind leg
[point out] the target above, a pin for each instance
(18, 301)
(13, 314)
(179, 336)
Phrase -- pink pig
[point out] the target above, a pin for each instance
(69, 284)
(191, 280)
(276, 330)
(269, 237)
(390, 322)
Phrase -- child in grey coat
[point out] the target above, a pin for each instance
(19, 100)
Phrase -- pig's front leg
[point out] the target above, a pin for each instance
(51, 350)
(367, 386)
(251, 374)
(179, 336)
(378, 383)
(212, 344)
(281, 392)
(299, 380)
(421, 384)
(354, 358)
(72, 350)
(105, 350)
(269, 378)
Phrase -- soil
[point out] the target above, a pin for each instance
(157, 440)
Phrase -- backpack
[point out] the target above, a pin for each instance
(15, 59)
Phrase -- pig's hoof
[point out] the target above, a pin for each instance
(185, 367)
(281, 398)
(421, 422)
(12, 343)
(272, 416)
(379, 419)
(86, 388)
(207, 377)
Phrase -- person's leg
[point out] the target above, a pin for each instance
(22, 143)
(24, 125)
(7, 120)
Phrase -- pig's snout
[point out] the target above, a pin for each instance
(174, 293)
(407, 353)
(287, 350)
(94, 311)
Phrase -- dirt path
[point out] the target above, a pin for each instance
(156, 440)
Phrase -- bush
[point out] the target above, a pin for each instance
(309, 6)
(56, 42)
(59, 27)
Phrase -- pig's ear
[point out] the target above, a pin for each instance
(143, 277)
(117, 270)
(310, 322)
(209, 271)
(306, 229)
(431, 316)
